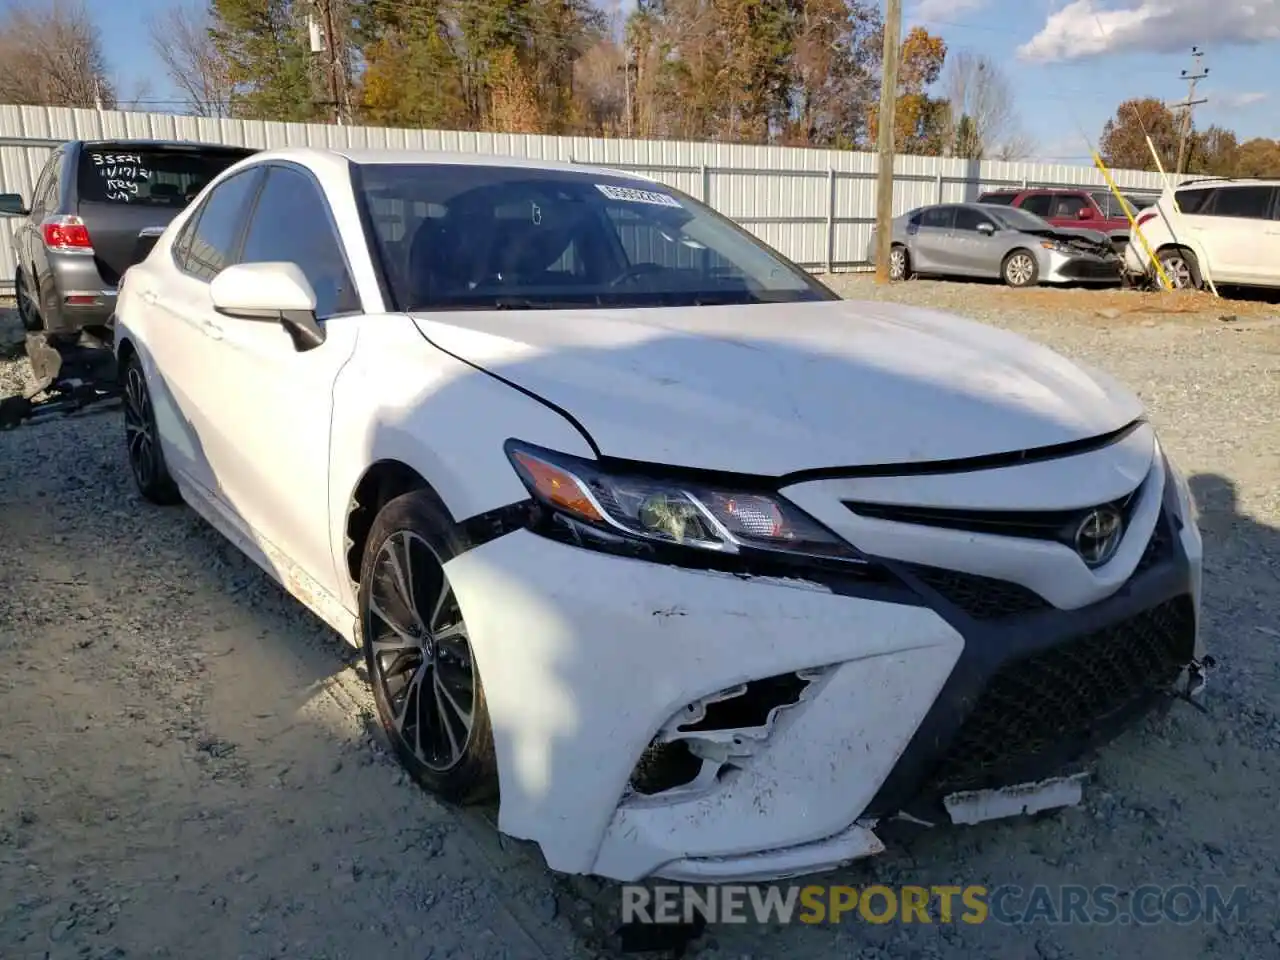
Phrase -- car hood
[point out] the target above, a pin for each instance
(774, 389)
(1072, 233)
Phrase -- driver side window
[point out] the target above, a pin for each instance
(971, 220)
(290, 223)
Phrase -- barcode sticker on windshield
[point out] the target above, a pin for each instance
(632, 195)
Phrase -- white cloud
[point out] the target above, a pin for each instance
(1090, 28)
(945, 11)
(1237, 101)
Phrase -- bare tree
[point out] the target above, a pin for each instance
(1016, 146)
(180, 38)
(51, 55)
(603, 88)
(983, 119)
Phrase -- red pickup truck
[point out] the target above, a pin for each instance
(1097, 209)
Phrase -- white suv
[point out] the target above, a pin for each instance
(1227, 231)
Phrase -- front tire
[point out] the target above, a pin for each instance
(426, 684)
(146, 459)
(1020, 269)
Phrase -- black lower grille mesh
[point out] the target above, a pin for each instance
(982, 598)
(1050, 702)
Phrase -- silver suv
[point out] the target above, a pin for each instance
(1223, 230)
(97, 208)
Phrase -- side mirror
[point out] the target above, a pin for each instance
(11, 205)
(275, 292)
(1086, 213)
(986, 228)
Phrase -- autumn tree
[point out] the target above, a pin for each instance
(1124, 137)
(835, 63)
(920, 119)
(472, 64)
(180, 37)
(51, 55)
(1258, 157)
(264, 45)
(412, 70)
(1214, 152)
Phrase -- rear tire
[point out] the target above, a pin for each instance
(1181, 267)
(1020, 269)
(28, 309)
(425, 680)
(899, 263)
(142, 439)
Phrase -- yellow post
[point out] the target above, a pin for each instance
(1133, 224)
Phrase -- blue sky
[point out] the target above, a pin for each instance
(1071, 61)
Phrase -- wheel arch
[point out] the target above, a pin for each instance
(380, 483)
(124, 350)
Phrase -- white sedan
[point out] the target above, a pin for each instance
(702, 571)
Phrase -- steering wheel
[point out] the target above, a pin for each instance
(637, 271)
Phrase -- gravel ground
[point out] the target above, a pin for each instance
(188, 766)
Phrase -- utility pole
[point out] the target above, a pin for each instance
(885, 124)
(1193, 76)
(322, 41)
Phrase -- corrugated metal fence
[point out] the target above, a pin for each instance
(816, 206)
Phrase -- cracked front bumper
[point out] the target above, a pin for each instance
(585, 657)
(589, 659)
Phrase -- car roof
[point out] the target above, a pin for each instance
(320, 157)
(134, 143)
(1230, 182)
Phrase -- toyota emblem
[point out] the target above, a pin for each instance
(1098, 536)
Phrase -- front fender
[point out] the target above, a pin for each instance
(402, 399)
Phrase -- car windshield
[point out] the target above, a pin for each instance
(454, 236)
(1015, 218)
(134, 176)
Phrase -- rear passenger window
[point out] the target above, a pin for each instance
(217, 226)
(1252, 203)
(938, 217)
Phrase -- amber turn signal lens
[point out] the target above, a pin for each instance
(558, 487)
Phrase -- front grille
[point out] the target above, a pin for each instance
(983, 598)
(1056, 525)
(1092, 270)
(1058, 703)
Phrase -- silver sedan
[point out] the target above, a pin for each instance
(996, 242)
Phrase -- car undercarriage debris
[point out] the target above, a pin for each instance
(69, 377)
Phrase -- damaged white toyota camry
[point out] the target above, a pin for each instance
(701, 571)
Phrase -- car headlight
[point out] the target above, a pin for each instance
(653, 510)
(1056, 246)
